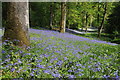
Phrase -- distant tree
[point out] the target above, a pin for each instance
(67, 16)
(103, 19)
(98, 15)
(51, 15)
(63, 17)
(4, 13)
(17, 24)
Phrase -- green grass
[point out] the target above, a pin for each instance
(104, 37)
(55, 55)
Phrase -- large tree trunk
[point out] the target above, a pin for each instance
(51, 15)
(102, 23)
(17, 24)
(63, 17)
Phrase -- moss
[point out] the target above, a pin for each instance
(16, 28)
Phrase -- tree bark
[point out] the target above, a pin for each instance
(17, 24)
(63, 17)
(102, 23)
(86, 22)
(83, 22)
(91, 20)
(98, 20)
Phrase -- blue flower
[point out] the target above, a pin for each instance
(40, 66)
(79, 69)
(89, 66)
(46, 55)
(56, 75)
(71, 76)
(98, 69)
(20, 51)
(117, 77)
(46, 71)
(24, 70)
(26, 54)
(34, 68)
(13, 69)
(78, 65)
(19, 61)
(65, 58)
(7, 60)
(3, 51)
(31, 74)
(6, 40)
(39, 60)
(80, 74)
(15, 79)
(106, 76)
(15, 63)
(10, 64)
(59, 62)
(18, 71)
(20, 68)
(49, 66)
(7, 66)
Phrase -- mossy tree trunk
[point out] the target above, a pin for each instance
(17, 27)
(63, 17)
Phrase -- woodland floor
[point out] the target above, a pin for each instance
(71, 32)
(68, 31)
(65, 55)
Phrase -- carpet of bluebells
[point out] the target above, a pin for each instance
(61, 55)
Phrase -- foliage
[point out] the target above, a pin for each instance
(113, 21)
(39, 14)
(76, 15)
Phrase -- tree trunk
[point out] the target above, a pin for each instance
(17, 24)
(98, 20)
(86, 29)
(91, 20)
(86, 23)
(83, 22)
(51, 16)
(30, 20)
(102, 23)
(68, 15)
(63, 17)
